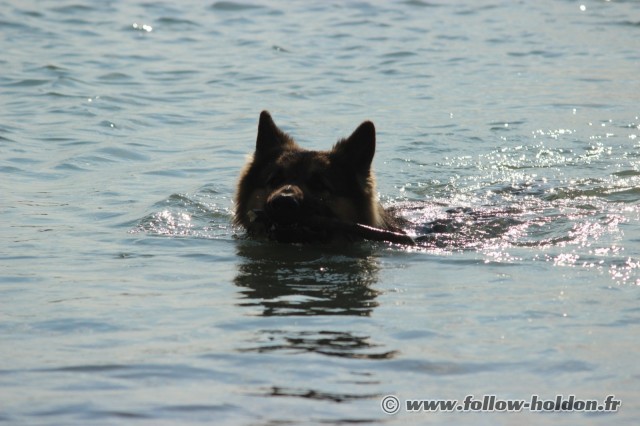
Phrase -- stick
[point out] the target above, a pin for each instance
(332, 224)
(363, 231)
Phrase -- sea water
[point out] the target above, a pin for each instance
(127, 297)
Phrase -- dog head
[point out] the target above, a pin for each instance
(284, 187)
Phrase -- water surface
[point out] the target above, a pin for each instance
(128, 297)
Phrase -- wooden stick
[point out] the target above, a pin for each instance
(363, 231)
(357, 229)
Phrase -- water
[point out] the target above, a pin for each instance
(128, 298)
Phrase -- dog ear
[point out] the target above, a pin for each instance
(270, 138)
(358, 149)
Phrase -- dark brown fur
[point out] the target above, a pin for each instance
(290, 184)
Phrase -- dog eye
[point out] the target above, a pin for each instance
(275, 179)
(319, 183)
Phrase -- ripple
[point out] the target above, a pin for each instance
(329, 343)
(447, 368)
(230, 6)
(72, 9)
(316, 395)
(173, 22)
(74, 325)
(17, 25)
(29, 82)
(122, 153)
(420, 3)
(117, 77)
(627, 173)
(70, 167)
(633, 24)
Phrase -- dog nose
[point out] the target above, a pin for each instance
(284, 205)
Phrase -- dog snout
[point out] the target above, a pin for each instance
(285, 202)
(283, 205)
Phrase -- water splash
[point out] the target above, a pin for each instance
(204, 214)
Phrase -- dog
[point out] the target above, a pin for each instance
(290, 194)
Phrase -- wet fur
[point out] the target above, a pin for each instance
(337, 183)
